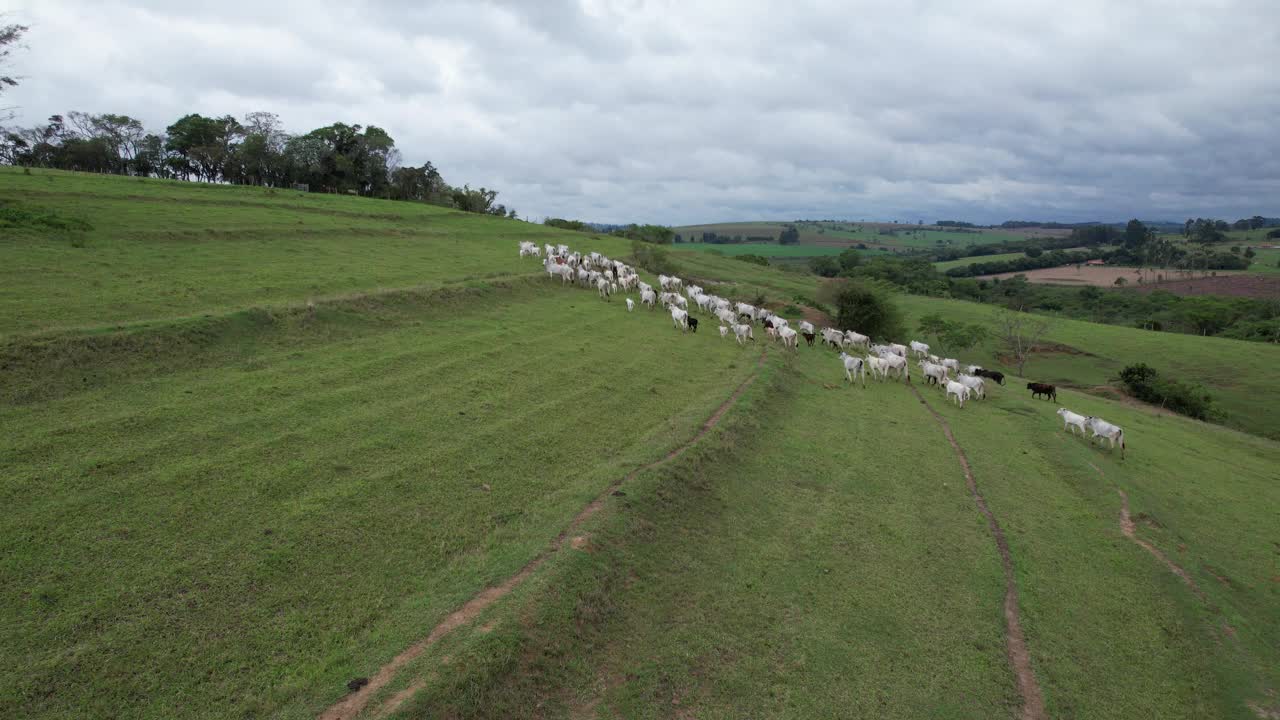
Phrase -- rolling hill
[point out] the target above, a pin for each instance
(263, 446)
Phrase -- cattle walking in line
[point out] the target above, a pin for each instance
(995, 375)
(1103, 429)
(1072, 420)
(853, 367)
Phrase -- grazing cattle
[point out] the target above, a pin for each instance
(1045, 389)
(603, 286)
(789, 337)
(976, 386)
(833, 337)
(854, 366)
(856, 339)
(878, 367)
(951, 364)
(934, 373)
(808, 338)
(648, 298)
(899, 350)
(958, 390)
(747, 310)
(920, 349)
(631, 304)
(724, 331)
(742, 332)
(727, 317)
(1103, 429)
(806, 327)
(899, 363)
(971, 369)
(680, 319)
(693, 322)
(1072, 420)
(991, 374)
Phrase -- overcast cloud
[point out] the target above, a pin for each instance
(681, 112)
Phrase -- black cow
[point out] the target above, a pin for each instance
(693, 323)
(808, 338)
(993, 374)
(1048, 391)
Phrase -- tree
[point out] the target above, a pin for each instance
(790, 236)
(825, 265)
(867, 310)
(1017, 334)
(1034, 252)
(1136, 236)
(10, 36)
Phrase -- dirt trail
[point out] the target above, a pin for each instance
(1015, 639)
(354, 703)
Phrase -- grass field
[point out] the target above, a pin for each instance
(773, 250)
(841, 234)
(230, 503)
(967, 261)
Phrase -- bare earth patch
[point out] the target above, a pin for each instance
(1222, 282)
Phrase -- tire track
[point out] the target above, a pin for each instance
(1015, 638)
(355, 702)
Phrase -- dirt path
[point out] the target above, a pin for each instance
(1015, 639)
(354, 703)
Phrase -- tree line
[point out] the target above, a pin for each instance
(253, 150)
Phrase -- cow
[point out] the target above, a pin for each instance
(976, 386)
(920, 349)
(743, 332)
(991, 374)
(1072, 420)
(808, 338)
(631, 304)
(1045, 389)
(680, 319)
(934, 373)
(693, 322)
(1103, 429)
(961, 392)
(854, 366)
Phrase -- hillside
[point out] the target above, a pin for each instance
(260, 445)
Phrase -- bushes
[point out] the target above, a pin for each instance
(652, 258)
(753, 259)
(869, 311)
(1144, 382)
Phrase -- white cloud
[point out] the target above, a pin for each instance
(681, 112)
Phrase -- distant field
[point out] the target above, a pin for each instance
(839, 234)
(967, 261)
(771, 250)
(1102, 275)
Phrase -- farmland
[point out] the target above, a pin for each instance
(966, 261)
(259, 445)
(889, 236)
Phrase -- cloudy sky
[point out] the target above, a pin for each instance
(681, 112)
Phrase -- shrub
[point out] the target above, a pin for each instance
(652, 258)
(1144, 382)
(753, 259)
(869, 311)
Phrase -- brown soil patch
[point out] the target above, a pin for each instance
(1101, 275)
(395, 701)
(1015, 639)
(355, 702)
(1244, 285)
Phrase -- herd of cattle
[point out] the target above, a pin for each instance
(891, 360)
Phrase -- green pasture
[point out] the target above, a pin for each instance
(769, 251)
(967, 261)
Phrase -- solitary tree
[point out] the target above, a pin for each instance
(1018, 333)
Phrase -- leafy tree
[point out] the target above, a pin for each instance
(1034, 252)
(790, 236)
(867, 310)
(825, 265)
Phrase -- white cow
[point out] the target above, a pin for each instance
(680, 319)
(854, 366)
(745, 309)
(960, 392)
(806, 326)
(602, 286)
(951, 364)
(856, 339)
(1072, 420)
(742, 333)
(920, 349)
(937, 372)
(789, 337)
(648, 298)
(1103, 429)
(899, 363)
(972, 369)
(724, 331)
(631, 304)
(835, 338)
(977, 387)
(878, 367)
(899, 350)
(727, 317)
